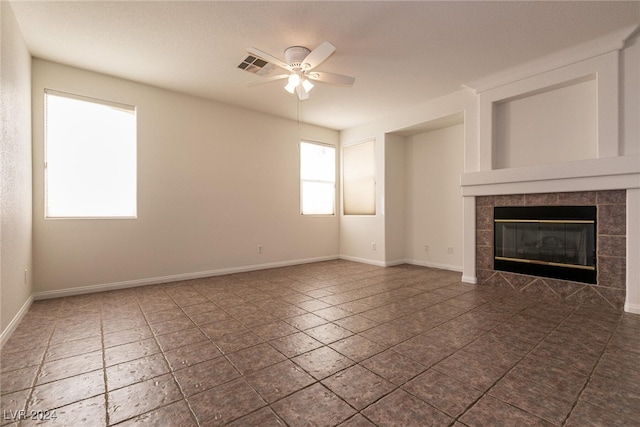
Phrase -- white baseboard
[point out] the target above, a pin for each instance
(15, 321)
(632, 308)
(58, 293)
(470, 279)
(440, 266)
(364, 260)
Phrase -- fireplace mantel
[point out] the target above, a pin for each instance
(615, 173)
(612, 173)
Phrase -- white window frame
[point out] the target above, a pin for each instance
(121, 184)
(331, 181)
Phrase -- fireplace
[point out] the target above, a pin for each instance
(548, 241)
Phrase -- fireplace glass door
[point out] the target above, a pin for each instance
(549, 247)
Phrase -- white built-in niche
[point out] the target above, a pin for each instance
(553, 125)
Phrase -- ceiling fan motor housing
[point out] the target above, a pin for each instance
(294, 56)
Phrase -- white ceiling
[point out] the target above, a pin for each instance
(401, 53)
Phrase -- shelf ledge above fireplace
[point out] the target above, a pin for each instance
(610, 173)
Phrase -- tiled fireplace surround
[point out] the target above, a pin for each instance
(610, 289)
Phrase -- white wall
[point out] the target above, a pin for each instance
(357, 232)
(214, 182)
(395, 198)
(433, 215)
(15, 173)
(554, 126)
(630, 94)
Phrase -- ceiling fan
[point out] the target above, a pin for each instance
(300, 64)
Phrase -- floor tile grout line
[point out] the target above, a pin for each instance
(104, 368)
(387, 347)
(485, 393)
(171, 371)
(595, 365)
(40, 367)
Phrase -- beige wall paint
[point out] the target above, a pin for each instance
(214, 182)
(15, 172)
(433, 214)
(555, 126)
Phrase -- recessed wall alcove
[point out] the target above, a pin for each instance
(610, 287)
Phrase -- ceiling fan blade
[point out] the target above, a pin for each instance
(332, 78)
(319, 55)
(269, 58)
(267, 79)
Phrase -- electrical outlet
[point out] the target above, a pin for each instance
(259, 249)
(450, 250)
(25, 276)
(426, 248)
(373, 246)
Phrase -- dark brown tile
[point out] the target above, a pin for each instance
(328, 333)
(279, 380)
(565, 381)
(539, 400)
(479, 371)
(165, 315)
(205, 375)
(264, 417)
(492, 412)
(73, 348)
(90, 410)
(69, 390)
(237, 341)
(322, 362)
(587, 415)
(22, 359)
(218, 329)
(255, 358)
(443, 392)
(69, 367)
(131, 351)
(606, 394)
(306, 321)
(137, 370)
(295, 344)
(387, 334)
(357, 348)
(191, 354)
(332, 313)
(393, 366)
(178, 413)
(356, 323)
(277, 329)
(126, 336)
(312, 304)
(401, 408)
(230, 401)
(142, 397)
(357, 421)
(19, 379)
(12, 403)
(358, 386)
(181, 338)
(314, 405)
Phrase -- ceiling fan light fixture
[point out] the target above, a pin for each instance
(307, 85)
(292, 83)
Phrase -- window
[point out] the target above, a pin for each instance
(359, 180)
(90, 158)
(317, 178)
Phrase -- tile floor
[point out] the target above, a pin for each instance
(330, 343)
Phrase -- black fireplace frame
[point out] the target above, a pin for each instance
(545, 269)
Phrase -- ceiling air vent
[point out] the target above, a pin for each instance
(256, 65)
